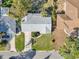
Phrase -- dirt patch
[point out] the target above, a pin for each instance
(59, 36)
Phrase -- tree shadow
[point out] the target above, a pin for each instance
(27, 55)
(47, 57)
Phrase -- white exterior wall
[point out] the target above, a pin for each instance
(34, 28)
(49, 26)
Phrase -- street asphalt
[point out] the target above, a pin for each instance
(32, 55)
(6, 55)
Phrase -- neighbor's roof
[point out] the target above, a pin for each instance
(37, 19)
(74, 3)
(3, 26)
(0, 1)
(10, 22)
(4, 10)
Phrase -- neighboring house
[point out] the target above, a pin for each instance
(0, 1)
(36, 23)
(70, 19)
(7, 24)
(4, 10)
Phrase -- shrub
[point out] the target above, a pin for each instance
(35, 34)
(44, 14)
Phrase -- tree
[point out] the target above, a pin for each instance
(70, 50)
(19, 8)
(36, 6)
(6, 3)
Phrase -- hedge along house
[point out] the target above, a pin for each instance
(36, 23)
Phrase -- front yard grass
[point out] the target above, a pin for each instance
(2, 48)
(19, 42)
(3, 45)
(43, 43)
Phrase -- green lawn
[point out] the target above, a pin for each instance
(3, 45)
(20, 42)
(43, 43)
(2, 48)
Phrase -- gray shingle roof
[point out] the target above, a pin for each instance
(4, 10)
(10, 22)
(3, 27)
(0, 1)
(74, 3)
(37, 19)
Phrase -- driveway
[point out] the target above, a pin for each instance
(12, 44)
(12, 41)
(28, 43)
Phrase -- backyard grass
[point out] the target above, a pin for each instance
(20, 42)
(43, 43)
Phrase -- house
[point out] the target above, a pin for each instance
(36, 23)
(4, 10)
(0, 1)
(7, 24)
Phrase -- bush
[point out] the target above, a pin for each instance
(70, 49)
(35, 34)
(44, 13)
(3, 42)
(6, 3)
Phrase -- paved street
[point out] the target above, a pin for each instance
(42, 55)
(6, 55)
(32, 55)
(47, 55)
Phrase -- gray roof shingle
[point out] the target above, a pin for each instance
(37, 19)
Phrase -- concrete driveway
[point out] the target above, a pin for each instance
(28, 43)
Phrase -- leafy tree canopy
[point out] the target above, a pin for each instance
(70, 49)
(6, 3)
(19, 8)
